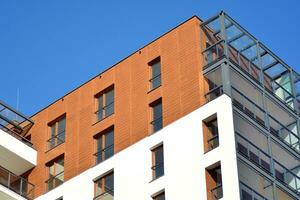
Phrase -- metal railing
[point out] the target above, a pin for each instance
(247, 193)
(55, 181)
(105, 111)
(158, 170)
(156, 124)
(56, 140)
(252, 110)
(253, 153)
(104, 154)
(15, 123)
(262, 160)
(214, 93)
(213, 143)
(217, 192)
(155, 82)
(213, 53)
(16, 183)
(107, 195)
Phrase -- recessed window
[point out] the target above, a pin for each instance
(104, 187)
(57, 132)
(105, 103)
(210, 133)
(55, 173)
(104, 145)
(155, 71)
(157, 162)
(214, 182)
(156, 115)
(160, 196)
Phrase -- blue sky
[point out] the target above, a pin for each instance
(47, 48)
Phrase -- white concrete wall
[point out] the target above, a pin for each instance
(16, 156)
(185, 162)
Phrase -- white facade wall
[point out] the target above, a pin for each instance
(184, 162)
(16, 156)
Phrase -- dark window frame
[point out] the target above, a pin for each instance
(51, 182)
(155, 79)
(59, 137)
(105, 190)
(104, 148)
(157, 166)
(156, 122)
(104, 110)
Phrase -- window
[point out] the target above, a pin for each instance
(105, 101)
(155, 80)
(56, 173)
(157, 162)
(104, 187)
(57, 132)
(210, 133)
(157, 120)
(214, 182)
(160, 196)
(105, 145)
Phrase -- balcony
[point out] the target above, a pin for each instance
(16, 151)
(227, 39)
(270, 168)
(15, 183)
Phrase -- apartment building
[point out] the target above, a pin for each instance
(204, 112)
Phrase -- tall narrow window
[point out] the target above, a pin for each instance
(210, 133)
(105, 145)
(157, 119)
(105, 101)
(105, 187)
(57, 132)
(56, 173)
(155, 80)
(160, 196)
(158, 162)
(214, 182)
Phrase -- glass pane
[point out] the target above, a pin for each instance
(59, 166)
(53, 130)
(155, 69)
(109, 182)
(159, 162)
(99, 187)
(157, 111)
(109, 141)
(109, 104)
(100, 107)
(61, 126)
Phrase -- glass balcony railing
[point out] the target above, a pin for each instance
(252, 110)
(15, 123)
(16, 183)
(227, 39)
(263, 161)
(247, 193)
